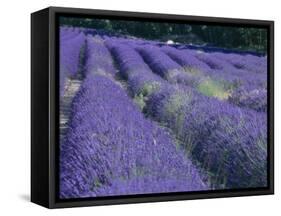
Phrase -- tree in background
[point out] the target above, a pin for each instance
(241, 38)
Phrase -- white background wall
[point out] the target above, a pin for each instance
(15, 107)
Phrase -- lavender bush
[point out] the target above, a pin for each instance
(98, 57)
(140, 78)
(165, 66)
(71, 45)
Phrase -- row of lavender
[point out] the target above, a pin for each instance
(202, 99)
(72, 42)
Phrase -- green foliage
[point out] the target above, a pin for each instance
(146, 90)
(140, 101)
(96, 184)
(149, 88)
(212, 88)
(173, 109)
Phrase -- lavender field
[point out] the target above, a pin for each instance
(140, 116)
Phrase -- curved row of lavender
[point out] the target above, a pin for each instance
(98, 57)
(138, 75)
(151, 118)
(71, 45)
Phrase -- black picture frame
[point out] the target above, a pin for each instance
(45, 103)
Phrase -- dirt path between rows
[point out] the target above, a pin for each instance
(72, 86)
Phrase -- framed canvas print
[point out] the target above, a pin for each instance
(138, 107)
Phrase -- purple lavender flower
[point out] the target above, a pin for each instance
(139, 76)
(71, 44)
(98, 57)
(255, 99)
(164, 66)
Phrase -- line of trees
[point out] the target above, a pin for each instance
(254, 39)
